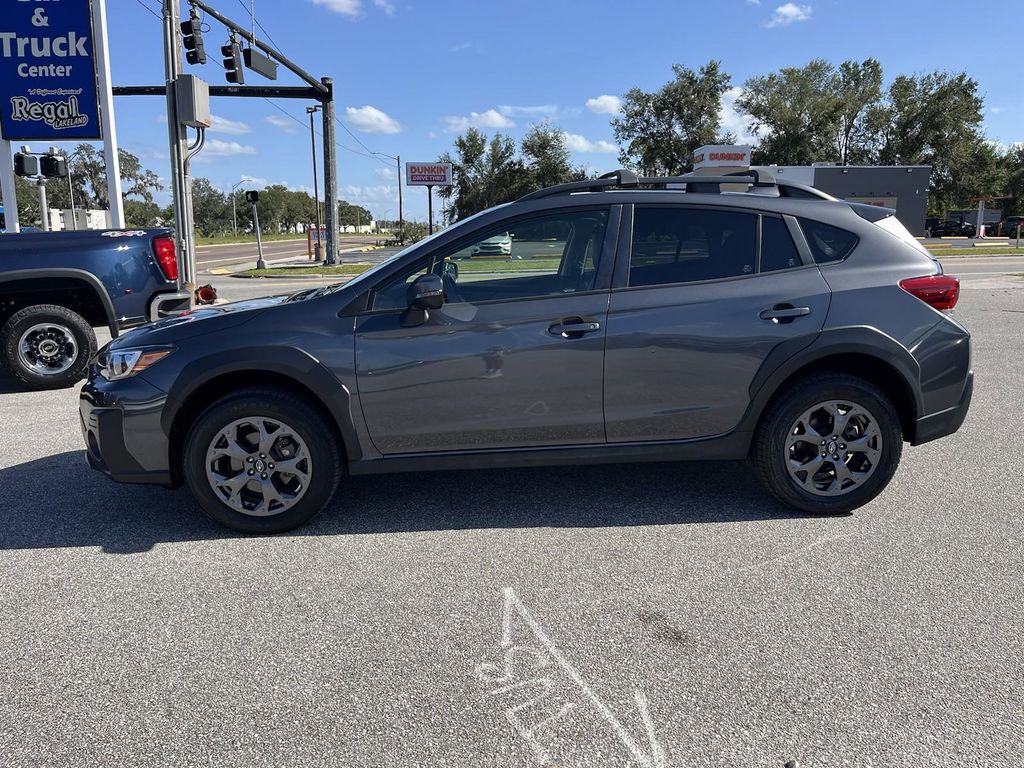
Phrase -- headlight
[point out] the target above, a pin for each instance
(122, 363)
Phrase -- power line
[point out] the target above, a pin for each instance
(298, 121)
(157, 15)
(262, 28)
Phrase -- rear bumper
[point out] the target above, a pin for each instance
(169, 304)
(123, 436)
(948, 421)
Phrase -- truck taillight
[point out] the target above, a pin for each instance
(938, 291)
(166, 256)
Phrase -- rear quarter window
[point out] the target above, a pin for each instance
(828, 244)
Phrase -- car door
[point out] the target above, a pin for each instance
(513, 359)
(700, 298)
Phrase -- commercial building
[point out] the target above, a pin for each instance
(901, 187)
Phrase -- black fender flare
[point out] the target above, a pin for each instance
(862, 340)
(75, 274)
(288, 361)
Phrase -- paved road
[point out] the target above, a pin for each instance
(418, 618)
(208, 256)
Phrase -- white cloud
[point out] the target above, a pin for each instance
(492, 118)
(753, 2)
(371, 120)
(344, 7)
(540, 110)
(385, 173)
(218, 148)
(732, 120)
(605, 105)
(577, 143)
(367, 195)
(459, 47)
(995, 110)
(385, 5)
(223, 125)
(787, 13)
(282, 122)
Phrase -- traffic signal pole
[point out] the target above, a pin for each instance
(330, 175)
(178, 144)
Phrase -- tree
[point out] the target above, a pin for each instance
(350, 215)
(486, 173)
(211, 209)
(796, 114)
(89, 177)
(659, 131)
(859, 90)
(935, 119)
(546, 157)
(1014, 163)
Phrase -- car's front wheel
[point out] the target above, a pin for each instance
(829, 444)
(261, 461)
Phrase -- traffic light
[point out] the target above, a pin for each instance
(26, 165)
(192, 39)
(252, 196)
(53, 166)
(233, 70)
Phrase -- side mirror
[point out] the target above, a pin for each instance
(425, 293)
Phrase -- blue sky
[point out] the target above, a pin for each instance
(410, 74)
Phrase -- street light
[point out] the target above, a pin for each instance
(234, 216)
(316, 192)
(398, 168)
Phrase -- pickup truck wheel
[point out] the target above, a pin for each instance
(261, 461)
(829, 444)
(47, 346)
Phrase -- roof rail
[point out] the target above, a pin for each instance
(625, 179)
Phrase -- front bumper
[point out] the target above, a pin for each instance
(948, 421)
(121, 426)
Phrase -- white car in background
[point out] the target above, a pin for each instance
(499, 245)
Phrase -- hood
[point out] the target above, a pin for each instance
(197, 322)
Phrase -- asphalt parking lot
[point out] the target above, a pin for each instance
(640, 615)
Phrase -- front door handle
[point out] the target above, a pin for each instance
(784, 313)
(573, 327)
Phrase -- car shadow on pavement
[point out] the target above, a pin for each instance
(58, 501)
(9, 384)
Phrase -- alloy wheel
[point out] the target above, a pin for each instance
(833, 448)
(258, 466)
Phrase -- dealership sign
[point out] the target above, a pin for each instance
(428, 174)
(48, 88)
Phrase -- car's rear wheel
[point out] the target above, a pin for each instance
(829, 444)
(47, 346)
(261, 461)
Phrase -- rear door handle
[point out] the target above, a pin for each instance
(784, 313)
(573, 327)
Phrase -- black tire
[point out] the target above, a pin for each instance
(25, 319)
(770, 453)
(273, 404)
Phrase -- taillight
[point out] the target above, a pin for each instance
(166, 257)
(938, 291)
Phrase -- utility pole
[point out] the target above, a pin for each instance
(330, 173)
(234, 214)
(316, 192)
(44, 208)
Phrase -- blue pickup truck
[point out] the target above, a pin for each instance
(55, 287)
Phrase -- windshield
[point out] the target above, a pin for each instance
(895, 227)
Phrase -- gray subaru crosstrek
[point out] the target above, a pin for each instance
(634, 320)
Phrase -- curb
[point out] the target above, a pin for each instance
(242, 276)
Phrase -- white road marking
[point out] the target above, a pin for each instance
(653, 758)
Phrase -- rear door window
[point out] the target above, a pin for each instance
(827, 243)
(685, 245)
(777, 248)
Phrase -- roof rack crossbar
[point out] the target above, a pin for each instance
(625, 179)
